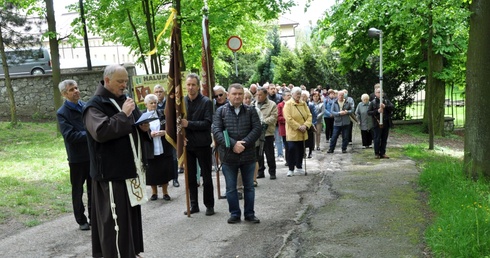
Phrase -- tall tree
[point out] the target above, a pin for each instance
(476, 161)
(405, 26)
(226, 18)
(265, 67)
(55, 54)
(16, 32)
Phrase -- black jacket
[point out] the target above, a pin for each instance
(108, 129)
(200, 117)
(373, 111)
(74, 134)
(245, 126)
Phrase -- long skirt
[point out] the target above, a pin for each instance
(106, 241)
(160, 170)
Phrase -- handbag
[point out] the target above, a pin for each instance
(312, 127)
(136, 187)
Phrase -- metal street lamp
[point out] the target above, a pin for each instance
(373, 32)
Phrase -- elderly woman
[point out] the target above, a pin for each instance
(320, 110)
(298, 120)
(160, 159)
(365, 121)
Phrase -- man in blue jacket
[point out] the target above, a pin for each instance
(69, 117)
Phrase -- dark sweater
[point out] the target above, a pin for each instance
(245, 126)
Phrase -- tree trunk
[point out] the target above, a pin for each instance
(8, 83)
(55, 54)
(151, 37)
(477, 138)
(435, 91)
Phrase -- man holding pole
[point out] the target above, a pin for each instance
(198, 143)
(380, 109)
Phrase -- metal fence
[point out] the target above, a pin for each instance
(454, 107)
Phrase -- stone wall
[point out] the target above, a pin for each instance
(34, 94)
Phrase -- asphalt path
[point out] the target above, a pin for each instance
(344, 207)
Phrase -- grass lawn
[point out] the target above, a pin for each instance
(35, 182)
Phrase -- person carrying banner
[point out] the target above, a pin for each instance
(198, 143)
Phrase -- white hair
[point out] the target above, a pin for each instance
(150, 97)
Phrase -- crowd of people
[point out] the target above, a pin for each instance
(250, 129)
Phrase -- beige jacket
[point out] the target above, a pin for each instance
(269, 115)
(295, 115)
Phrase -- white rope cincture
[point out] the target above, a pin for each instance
(114, 216)
(138, 163)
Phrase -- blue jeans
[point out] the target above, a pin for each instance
(345, 136)
(231, 173)
(278, 142)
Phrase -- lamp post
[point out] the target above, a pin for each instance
(373, 32)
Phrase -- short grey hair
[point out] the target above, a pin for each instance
(158, 86)
(111, 69)
(219, 87)
(150, 97)
(305, 92)
(364, 97)
(294, 90)
(62, 86)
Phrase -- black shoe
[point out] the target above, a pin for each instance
(209, 211)
(84, 226)
(234, 220)
(286, 164)
(166, 197)
(273, 177)
(318, 148)
(344, 151)
(176, 183)
(260, 176)
(192, 211)
(252, 219)
(330, 151)
(181, 171)
(153, 197)
(309, 156)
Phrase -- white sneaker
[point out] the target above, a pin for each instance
(290, 173)
(299, 172)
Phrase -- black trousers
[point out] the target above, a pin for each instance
(203, 156)
(328, 127)
(79, 174)
(269, 154)
(296, 152)
(286, 149)
(350, 131)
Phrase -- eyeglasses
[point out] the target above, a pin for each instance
(158, 91)
(219, 95)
